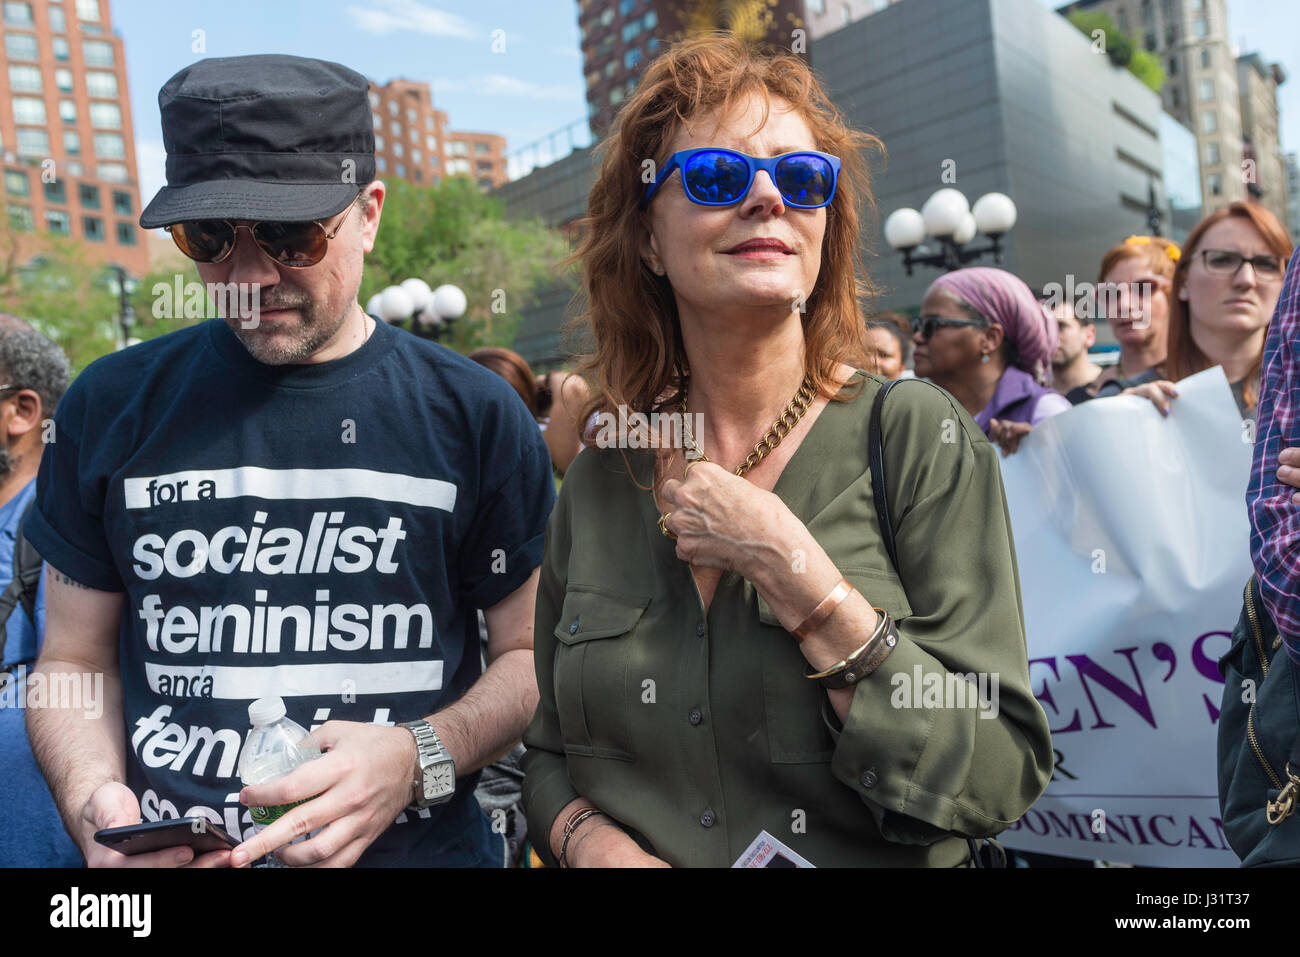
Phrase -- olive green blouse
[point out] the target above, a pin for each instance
(695, 732)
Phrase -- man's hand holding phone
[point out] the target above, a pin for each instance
(114, 805)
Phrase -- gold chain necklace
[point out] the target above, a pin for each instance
(782, 427)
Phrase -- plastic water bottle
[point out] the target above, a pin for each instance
(274, 746)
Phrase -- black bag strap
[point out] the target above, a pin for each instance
(997, 857)
(876, 459)
(26, 579)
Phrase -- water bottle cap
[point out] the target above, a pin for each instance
(266, 710)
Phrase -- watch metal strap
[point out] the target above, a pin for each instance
(427, 744)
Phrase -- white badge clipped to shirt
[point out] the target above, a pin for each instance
(767, 851)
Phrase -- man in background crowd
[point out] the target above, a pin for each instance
(1071, 367)
(33, 377)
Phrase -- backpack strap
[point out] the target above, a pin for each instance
(26, 579)
(28, 565)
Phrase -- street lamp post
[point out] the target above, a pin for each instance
(432, 312)
(122, 286)
(1154, 215)
(951, 221)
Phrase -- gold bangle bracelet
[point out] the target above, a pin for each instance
(824, 610)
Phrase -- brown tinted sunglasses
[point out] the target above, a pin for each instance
(289, 244)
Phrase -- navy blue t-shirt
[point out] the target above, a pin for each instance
(320, 532)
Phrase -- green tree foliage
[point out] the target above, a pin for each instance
(61, 289)
(1121, 49)
(57, 286)
(453, 233)
(1146, 66)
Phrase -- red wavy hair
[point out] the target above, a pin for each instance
(1184, 357)
(630, 316)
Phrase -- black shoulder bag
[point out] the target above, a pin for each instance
(1259, 740)
(990, 854)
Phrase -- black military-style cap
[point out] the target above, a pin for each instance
(266, 137)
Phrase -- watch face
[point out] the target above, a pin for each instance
(439, 779)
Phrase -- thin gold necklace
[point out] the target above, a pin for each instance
(779, 429)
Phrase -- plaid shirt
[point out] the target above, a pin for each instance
(1274, 520)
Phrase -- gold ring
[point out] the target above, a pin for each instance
(686, 473)
(663, 527)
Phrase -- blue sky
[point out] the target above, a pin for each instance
(526, 92)
(530, 90)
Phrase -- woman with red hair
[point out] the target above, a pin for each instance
(1132, 294)
(1225, 288)
(721, 632)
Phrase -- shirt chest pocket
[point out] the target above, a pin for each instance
(592, 694)
(796, 732)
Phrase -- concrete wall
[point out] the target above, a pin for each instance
(1016, 97)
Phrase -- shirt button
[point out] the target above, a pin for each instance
(868, 779)
(696, 716)
(573, 629)
(707, 817)
(699, 629)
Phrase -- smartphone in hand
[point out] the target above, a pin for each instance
(195, 832)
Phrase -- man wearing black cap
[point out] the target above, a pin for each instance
(297, 502)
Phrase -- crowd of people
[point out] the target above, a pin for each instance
(1014, 360)
(695, 642)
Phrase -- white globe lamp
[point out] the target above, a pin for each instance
(995, 213)
(420, 293)
(449, 302)
(944, 211)
(965, 232)
(395, 304)
(905, 228)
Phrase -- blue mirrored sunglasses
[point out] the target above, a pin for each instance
(716, 177)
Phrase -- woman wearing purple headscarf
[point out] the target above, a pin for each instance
(984, 338)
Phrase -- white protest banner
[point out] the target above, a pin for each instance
(1132, 543)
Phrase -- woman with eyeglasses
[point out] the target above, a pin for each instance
(1225, 287)
(984, 338)
(727, 659)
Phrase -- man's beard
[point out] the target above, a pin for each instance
(274, 344)
(7, 464)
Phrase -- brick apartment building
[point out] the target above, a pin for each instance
(412, 141)
(67, 145)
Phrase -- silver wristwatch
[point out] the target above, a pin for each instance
(435, 772)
